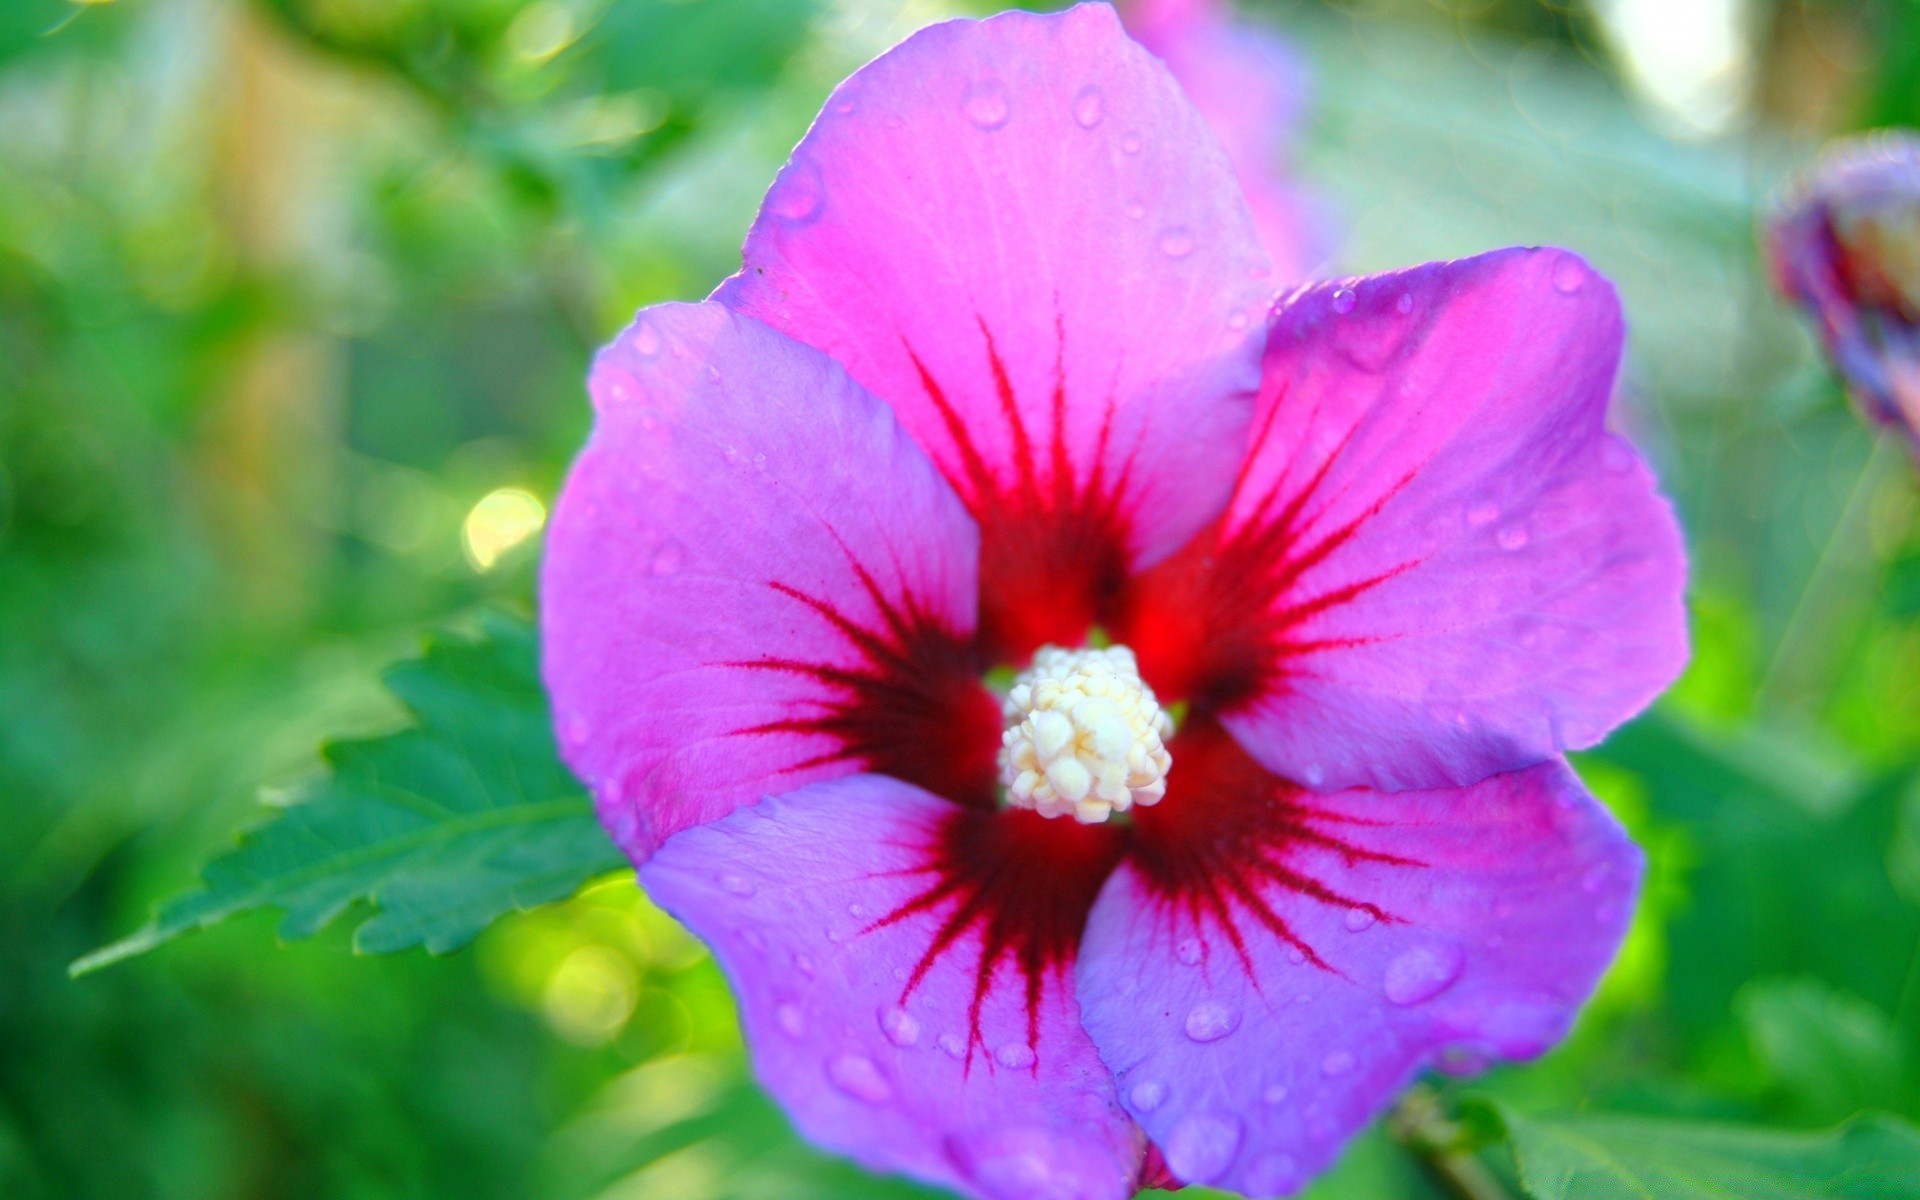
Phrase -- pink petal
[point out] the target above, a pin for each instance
(1252, 88)
(1264, 978)
(753, 579)
(813, 904)
(1020, 234)
(1438, 564)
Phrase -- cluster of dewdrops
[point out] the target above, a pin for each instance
(1085, 735)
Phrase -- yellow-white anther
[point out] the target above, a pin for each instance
(1085, 735)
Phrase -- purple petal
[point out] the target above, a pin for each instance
(1252, 88)
(1020, 234)
(753, 579)
(1846, 245)
(1378, 933)
(813, 903)
(1438, 563)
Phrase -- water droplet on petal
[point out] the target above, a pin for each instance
(1344, 299)
(1209, 1021)
(1190, 951)
(1273, 1175)
(953, 1044)
(1484, 513)
(1595, 877)
(856, 1075)
(646, 339)
(759, 462)
(804, 965)
(797, 195)
(1200, 1148)
(1147, 1095)
(856, 909)
(790, 1019)
(668, 558)
(1359, 920)
(1404, 303)
(844, 105)
(1176, 242)
(1236, 319)
(899, 1026)
(1337, 1063)
(987, 104)
(736, 885)
(1136, 210)
(1418, 975)
(1131, 143)
(1087, 107)
(1014, 1056)
(1569, 276)
(1296, 956)
(1513, 537)
(1275, 1093)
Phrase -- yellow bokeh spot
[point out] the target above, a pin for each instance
(591, 995)
(503, 519)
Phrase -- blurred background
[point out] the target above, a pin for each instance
(296, 298)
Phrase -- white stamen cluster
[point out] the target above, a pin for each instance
(1085, 735)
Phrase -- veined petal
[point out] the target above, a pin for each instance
(753, 579)
(817, 905)
(1437, 564)
(1020, 234)
(1272, 965)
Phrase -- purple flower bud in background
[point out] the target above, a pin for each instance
(1845, 244)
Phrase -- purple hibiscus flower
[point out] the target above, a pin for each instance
(1291, 611)
(1252, 89)
(1845, 245)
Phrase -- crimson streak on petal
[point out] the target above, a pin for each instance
(913, 707)
(1012, 888)
(1224, 843)
(1053, 548)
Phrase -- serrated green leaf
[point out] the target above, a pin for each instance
(1872, 1157)
(441, 827)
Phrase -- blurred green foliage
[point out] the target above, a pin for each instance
(288, 286)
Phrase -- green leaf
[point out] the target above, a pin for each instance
(442, 827)
(1872, 1157)
(1826, 1054)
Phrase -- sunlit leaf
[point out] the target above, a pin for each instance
(1873, 1157)
(442, 827)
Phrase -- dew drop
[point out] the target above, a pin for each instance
(1316, 775)
(856, 1075)
(736, 885)
(797, 194)
(1176, 242)
(1200, 1148)
(1236, 320)
(1569, 276)
(1344, 299)
(1209, 1021)
(1337, 1063)
(953, 1044)
(1136, 210)
(1273, 1175)
(1131, 143)
(804, 965)
(1275, 1093)
(856, 909)
(1190, 951)
(1483, 513)
(1087, 107)
(791, 1020)
(899, 1026)
(1418, 975)
(1595, 878)
(668, 558)
(1405, 303)
(713, 373)
(646, 339)
(1296, 956)
(760, 462)
(987, 105)
(1359, 920)
(578, 729)
(844, 106)
(1513, 537)
(1147, 1095)
(1014, 1056)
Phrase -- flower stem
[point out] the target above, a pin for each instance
(1421, 1124)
